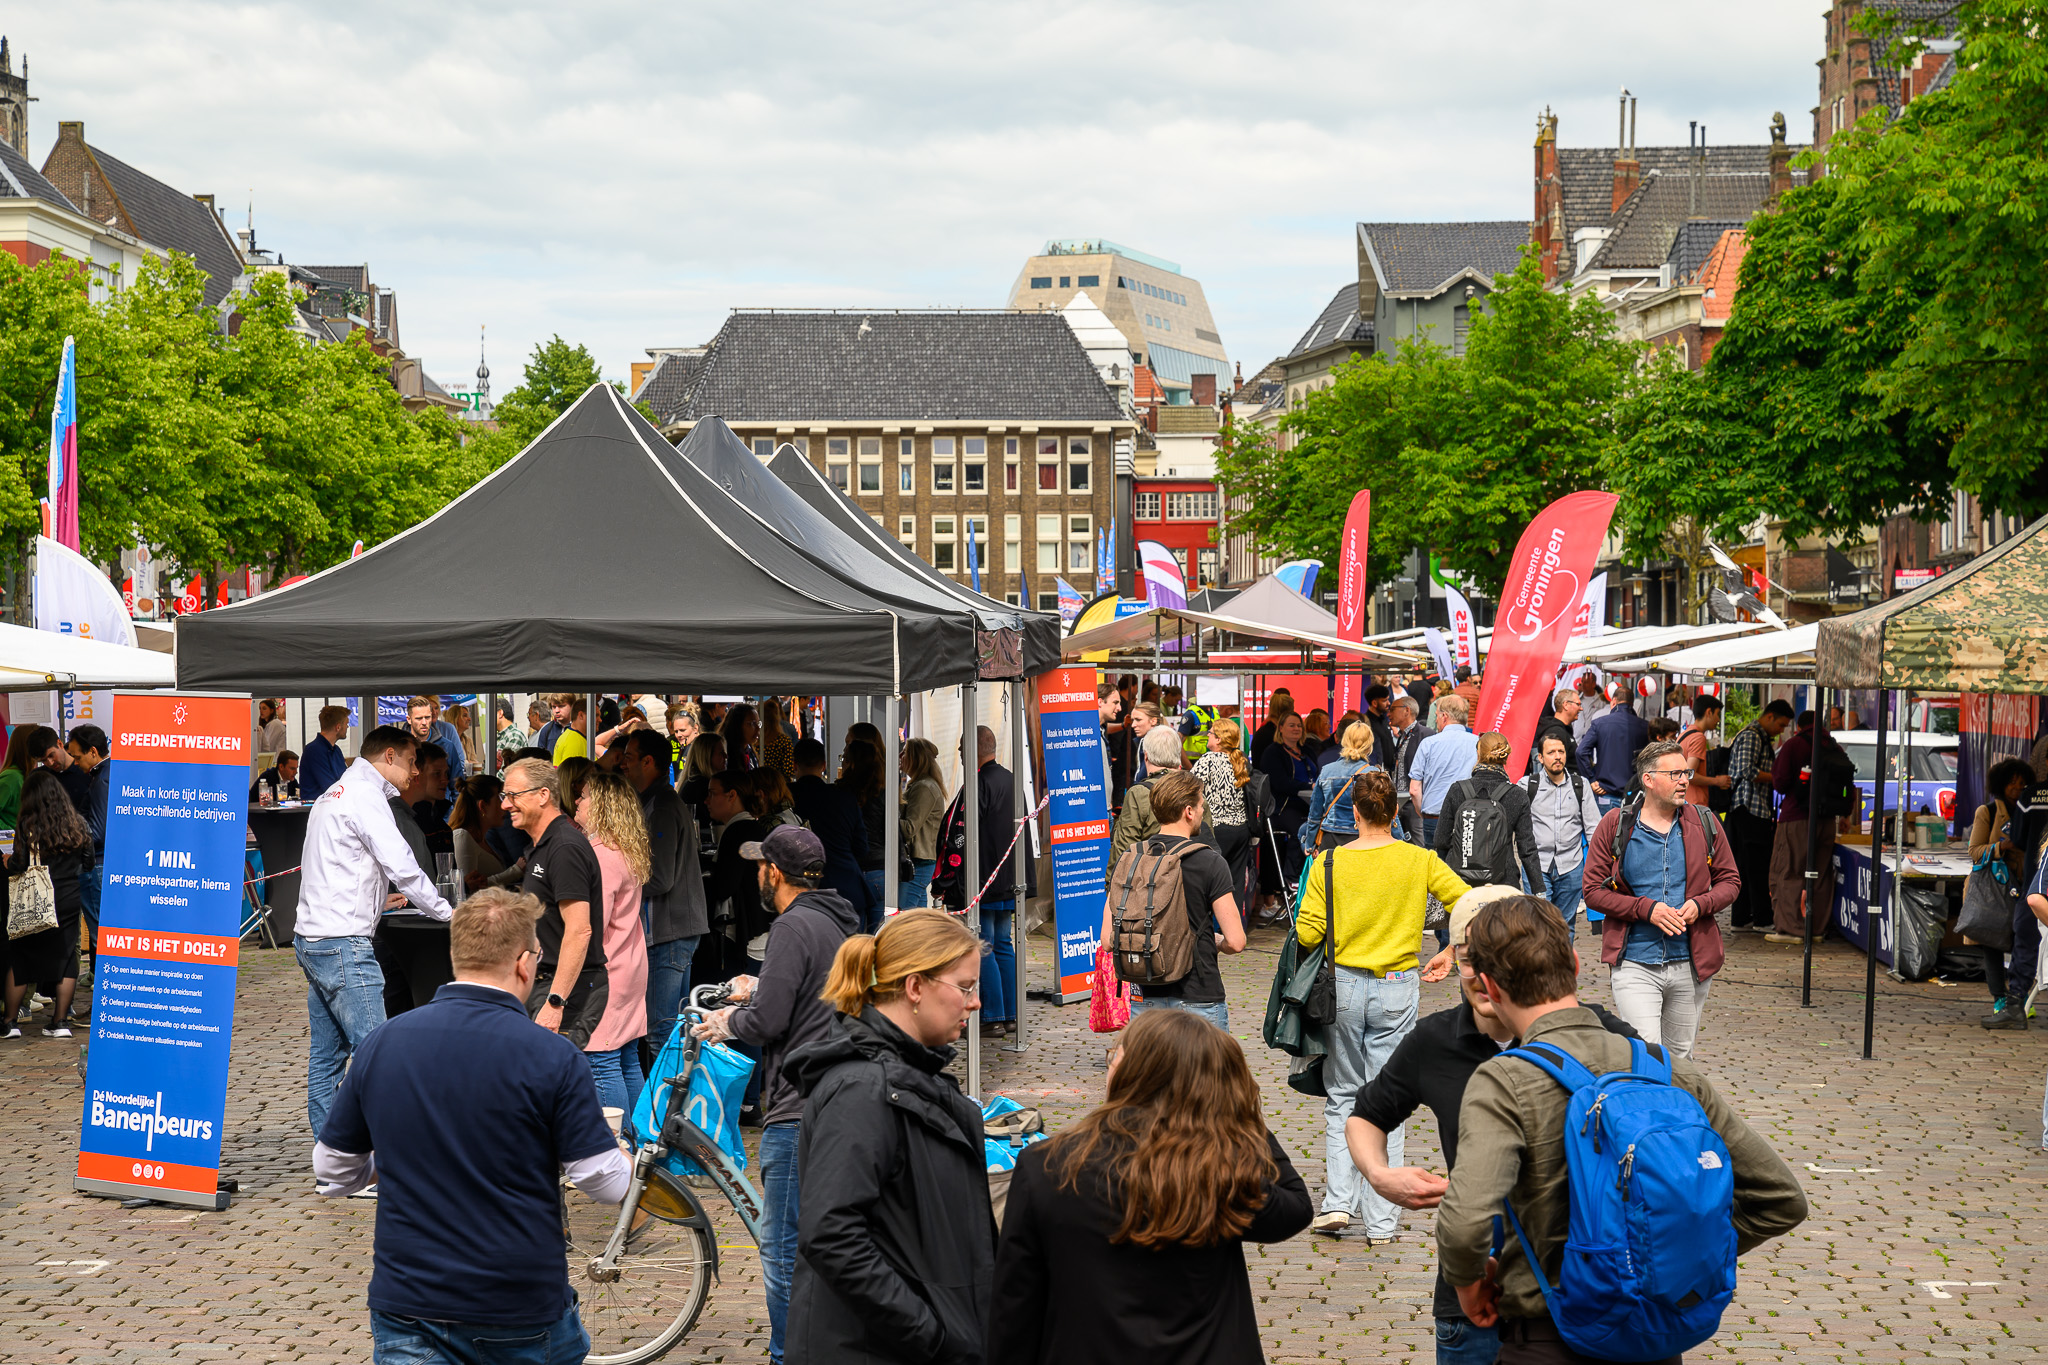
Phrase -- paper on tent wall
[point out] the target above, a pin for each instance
(1216, 691)
(939, 711)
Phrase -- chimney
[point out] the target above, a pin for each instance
(1204, 385)
(1628, 172)
(1781, 161)
(1546, 230)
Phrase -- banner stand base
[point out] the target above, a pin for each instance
(217, 1202)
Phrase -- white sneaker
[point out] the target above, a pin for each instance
(1330, 1224)
(368, 1191)
(58, 1032)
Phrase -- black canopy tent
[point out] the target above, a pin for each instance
(1040, 630)
(726, 461)
(590, 561)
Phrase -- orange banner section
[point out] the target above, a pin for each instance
(166, 1175)
(181, 729)
(209, 949)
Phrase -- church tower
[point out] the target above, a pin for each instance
(483, 380)
(13, 101)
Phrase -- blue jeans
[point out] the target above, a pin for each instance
(344, 1004)
(917, 891)
(1459, 1342)
(418, 1341)
(999, 968)
(876, 878)
(1607, 803)
(89, 879)
(668, 985)
(1429, 831)
(778, 1225)
(1216, 1012)
(1564, 890)
(1374, 1014)
(619, 1081)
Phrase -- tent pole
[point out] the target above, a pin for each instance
(1820, 729)
(970, 869)
(1020, 807)
(1884, 699)
(490, 734)
(368, 712)
(892, 811)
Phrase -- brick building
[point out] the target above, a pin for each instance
(109, 191)
(1859, 73)
(994, 424)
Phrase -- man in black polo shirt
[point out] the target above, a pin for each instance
(1430, 1067)
(468, 1117)
(569, 993)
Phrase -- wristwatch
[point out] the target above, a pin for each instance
(557, 1001)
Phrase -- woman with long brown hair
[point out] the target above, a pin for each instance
(1225, 774)
(608, 811)
(896, 1244)
(50, 832)
(924, 805)
(1123, 1237)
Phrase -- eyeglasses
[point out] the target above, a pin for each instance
(972, 992)
(1675, 774)
(509, 795)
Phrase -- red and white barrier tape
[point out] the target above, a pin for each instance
(1043, 802)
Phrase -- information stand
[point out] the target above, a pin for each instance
(156, 1081)
(1070, 725)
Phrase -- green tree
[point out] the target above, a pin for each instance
(556, 376)
(1460, 452)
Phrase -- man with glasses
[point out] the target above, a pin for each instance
(777, 1014)
(353, 856)
(572, 989)
(1660, 870)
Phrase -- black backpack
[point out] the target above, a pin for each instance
(1719, 759)
(1529, 785)
(948, 876)
(1483, 839)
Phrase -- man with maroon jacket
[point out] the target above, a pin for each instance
(1660, 892)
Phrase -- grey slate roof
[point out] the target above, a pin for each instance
(1646, 227)
(1923, 19)
(875, 366)
(1421, 258)
(21, 180)
(1694, 243)
(1338, 323)
(356, 277)
(667, 386)
(1586, 175)
(176, 222)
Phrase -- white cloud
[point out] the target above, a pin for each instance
(622, 175)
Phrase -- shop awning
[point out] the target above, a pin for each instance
(1775, 653)
(1640, 640)
(39, 660)
(1981, 628)
(1164, 626)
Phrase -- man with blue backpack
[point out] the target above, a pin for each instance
(1578, 1137)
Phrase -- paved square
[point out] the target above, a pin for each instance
(1923, 1168)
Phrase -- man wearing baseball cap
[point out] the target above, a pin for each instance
(1430, 1067)
(779, 1012)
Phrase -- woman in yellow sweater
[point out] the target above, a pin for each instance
(1382, 887)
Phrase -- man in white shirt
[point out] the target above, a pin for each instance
(353, 853)
(1564, 813)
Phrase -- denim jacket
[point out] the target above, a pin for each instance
(1327, 810)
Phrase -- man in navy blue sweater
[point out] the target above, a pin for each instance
(1607, 755)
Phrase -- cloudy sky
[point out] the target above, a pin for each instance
(624, 174)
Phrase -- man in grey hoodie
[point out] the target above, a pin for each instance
(778, 1013)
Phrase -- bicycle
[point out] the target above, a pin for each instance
(644, 1270)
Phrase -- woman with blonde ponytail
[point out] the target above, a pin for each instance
(896, 1247)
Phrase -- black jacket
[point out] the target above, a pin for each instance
(1382, 740)
(998, 827)
(834, 816)
(785, 1011)
(896, 1243)
(675, 881)
(1514, 799)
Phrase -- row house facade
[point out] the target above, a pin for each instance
(948, 427)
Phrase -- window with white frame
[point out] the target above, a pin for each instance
(1191, 506)
(838, 474)
(802, 444)
(838, 453)
(906, 478)
(1011, 446)
(906, 447)
(1077, 476)
(942, 478)
(838, 448)
(1080, 542)
(871, 478)
(974, 476)
(906, 531)
(1013, 548)
(870, 450)
(764, 446)
(1145, 506)
(942, 447)
(1048, 601)
(1078, 447)
(1049, 543)
(943, 547)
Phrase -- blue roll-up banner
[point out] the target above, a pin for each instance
(163, 999)
(1070, 726)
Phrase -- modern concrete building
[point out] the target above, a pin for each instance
(1162, 313)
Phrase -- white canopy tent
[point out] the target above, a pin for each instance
(1791, 651)
(1158, 627)
(1639, 640)
(39, 660)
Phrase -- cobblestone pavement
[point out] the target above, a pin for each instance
(1923, 1166)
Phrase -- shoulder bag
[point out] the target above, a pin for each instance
(31, 900)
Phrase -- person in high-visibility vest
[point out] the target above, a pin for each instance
(1194, 729)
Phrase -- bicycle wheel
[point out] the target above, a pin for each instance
(639, 1306)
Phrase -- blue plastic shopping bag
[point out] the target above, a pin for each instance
(712, 1103)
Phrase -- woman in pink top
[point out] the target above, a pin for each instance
(609, 813)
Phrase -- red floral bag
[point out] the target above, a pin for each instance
(1109, 1001)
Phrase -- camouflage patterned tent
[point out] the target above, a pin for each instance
(1983, 628)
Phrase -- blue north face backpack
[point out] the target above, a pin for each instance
(1649, 1259)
